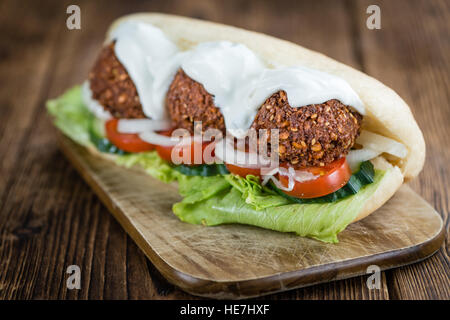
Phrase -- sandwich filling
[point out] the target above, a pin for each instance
(247, 142)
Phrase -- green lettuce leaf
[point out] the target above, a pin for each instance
(321, 221)
(196, 188)
(71, 116)
(151, 163)
(254, 194)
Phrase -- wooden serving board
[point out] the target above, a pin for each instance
(238, 261)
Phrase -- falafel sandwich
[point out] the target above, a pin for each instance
(255, 130)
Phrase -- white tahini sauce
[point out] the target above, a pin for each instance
(93, 105)
(150, 59)
(237, 78)
(240, 83)
(227, 71)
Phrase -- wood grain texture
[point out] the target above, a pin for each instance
(418, 70)
(237, 261)
(49, 218)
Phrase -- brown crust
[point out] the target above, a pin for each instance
(187, 101)
(313, 135)
(113, 88)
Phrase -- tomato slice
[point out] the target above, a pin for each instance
(331, 178)
(165, 152)
(243, 172)
(129, 142)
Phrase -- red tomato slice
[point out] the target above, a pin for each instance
(129, 142)
(243, 172)
(165, 152)
(332, 177)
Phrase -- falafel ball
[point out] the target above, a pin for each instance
(312, 135)
(113, 88)
(188, 101)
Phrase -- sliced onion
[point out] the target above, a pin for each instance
(142, 125)
(225, 151)
(355, 157)
(376, 142)
(280, 185)
(302, 175)
(271, 176)
(284, 172)
(159, 139)
(266, 173)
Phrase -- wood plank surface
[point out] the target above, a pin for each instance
(50, 219)
(418, 55)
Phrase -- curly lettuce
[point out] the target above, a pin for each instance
(248, 204)
(71, 115)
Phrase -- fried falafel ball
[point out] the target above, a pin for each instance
(112, 87)
(312, 135)
(188, 101)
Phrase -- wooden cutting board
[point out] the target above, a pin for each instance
(238, 261)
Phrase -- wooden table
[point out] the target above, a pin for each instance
(50, 219)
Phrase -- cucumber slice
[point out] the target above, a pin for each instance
(203, 170)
